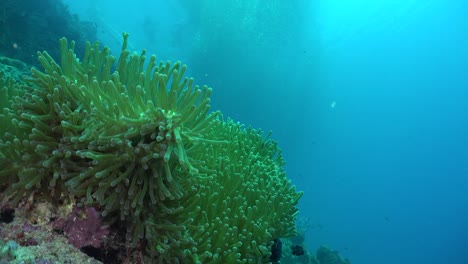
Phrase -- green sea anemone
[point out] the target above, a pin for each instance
(137, 139)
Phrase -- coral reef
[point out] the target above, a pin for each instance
(30, 25)
(83, 227)
(323, 255)
(14, 69)
(22, 241)
(137, 141)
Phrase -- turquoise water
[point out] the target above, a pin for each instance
(368, 100)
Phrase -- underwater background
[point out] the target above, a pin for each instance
(367, 99)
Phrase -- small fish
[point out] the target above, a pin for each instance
(297, 250)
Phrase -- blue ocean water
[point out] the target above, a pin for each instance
(368, 100)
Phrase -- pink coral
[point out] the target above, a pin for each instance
(83, 227)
